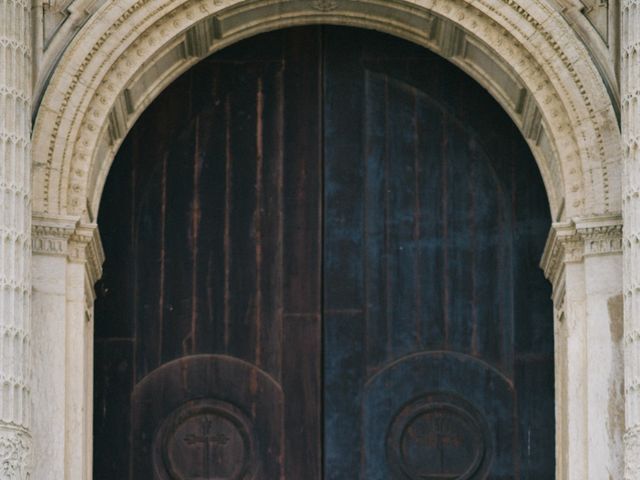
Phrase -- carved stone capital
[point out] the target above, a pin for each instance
(68, 237)
(85, 247)
(572, 241)
(15, 454)
(50, 235)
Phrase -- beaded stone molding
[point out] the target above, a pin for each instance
(523, 52)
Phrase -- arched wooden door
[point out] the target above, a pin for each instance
(322, 251)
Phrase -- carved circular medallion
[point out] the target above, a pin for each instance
(438, 437)
(204, 440)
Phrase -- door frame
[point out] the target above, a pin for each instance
(525, 54)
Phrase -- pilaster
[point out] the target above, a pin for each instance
(67, 262)
(15, 256)
(583, 260)
(630, 113)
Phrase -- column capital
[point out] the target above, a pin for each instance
(68, 237)
(85, 247)
(580, 237)
(50, 234)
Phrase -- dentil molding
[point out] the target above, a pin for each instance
(522, 51)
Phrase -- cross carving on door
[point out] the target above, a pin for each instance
(210, 441)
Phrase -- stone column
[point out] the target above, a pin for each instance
(583, 261)
(630, 109)
(15, 248)
(67, 261)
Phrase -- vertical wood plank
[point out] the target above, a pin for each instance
(344, 255)
(223, 257)
(113, 380)
(422, 192)
(301, 237)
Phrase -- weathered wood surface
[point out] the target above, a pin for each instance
(213, 214)
(322, 251)
(434, 219)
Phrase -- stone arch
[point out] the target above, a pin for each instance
(523, 53)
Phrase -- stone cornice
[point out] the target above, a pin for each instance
(66, 236)
(572, 241)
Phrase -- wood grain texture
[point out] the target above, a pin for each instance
(434, 308)
(322, 250)
(214, 202)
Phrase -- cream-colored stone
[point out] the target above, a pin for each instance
(604, 366)
(49, 315)
(504, 26)
(630, 102)
(67, 262)
(15, 248)
(582, 259)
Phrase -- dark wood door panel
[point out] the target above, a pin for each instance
(434, 219)
(322, 250)
(215, 199)
(438, 243)
(207, 416)
(438, 415)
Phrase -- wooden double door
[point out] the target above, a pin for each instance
(322, 250)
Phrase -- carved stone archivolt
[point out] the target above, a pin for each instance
(56, 22)
(529, 58)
